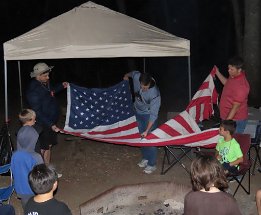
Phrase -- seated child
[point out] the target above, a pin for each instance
(208, 182)
(44, 181)
(228, 151)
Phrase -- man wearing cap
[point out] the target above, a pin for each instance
(41, 98)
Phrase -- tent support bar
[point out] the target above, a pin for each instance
(6, 98)
(189, 77)
(20, 84)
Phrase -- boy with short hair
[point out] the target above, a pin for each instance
(27, 117)
(228, 151)
(27, 136)
(44, 181)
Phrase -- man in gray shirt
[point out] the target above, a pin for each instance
(147, 103)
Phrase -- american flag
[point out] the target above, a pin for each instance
(107, 115)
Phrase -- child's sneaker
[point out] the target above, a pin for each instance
(149, 169)
(143, 163)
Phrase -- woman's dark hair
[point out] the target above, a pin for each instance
(206, 171)
(145, 78)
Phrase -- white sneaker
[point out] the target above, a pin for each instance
(59, 175)
(149, 169)
(143, 163)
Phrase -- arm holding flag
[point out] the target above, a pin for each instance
(221, 77)
(154, 110)
(223, 80)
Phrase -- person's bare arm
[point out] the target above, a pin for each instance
(236, 162)
(55, 128)
(233, 110)
(221, 77)
(258, 201)
(218, 156)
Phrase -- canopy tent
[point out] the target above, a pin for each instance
(93, 31)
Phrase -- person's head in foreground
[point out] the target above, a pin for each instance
(227, 127)
(207, 172)
(43, 179)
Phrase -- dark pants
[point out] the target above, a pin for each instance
(230, 169)
(7, 210)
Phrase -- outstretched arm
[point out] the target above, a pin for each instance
(145, 133)
(221, 77)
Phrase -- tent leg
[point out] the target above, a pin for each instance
(20, 84)
(6, 146)
(6, 98)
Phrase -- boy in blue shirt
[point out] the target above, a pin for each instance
(25, 157)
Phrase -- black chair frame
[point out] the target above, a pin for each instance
(172, 158)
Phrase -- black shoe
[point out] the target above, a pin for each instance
(259, 169)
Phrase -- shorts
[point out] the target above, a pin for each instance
(47, 138)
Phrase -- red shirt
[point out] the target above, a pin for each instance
(236, 89)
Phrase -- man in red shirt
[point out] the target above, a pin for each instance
(234, 97)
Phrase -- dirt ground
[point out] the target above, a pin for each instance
(90, 168)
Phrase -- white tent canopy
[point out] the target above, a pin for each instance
(94, 31)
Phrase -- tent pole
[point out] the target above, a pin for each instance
(5, 138)
(20, 84)
(189, 77)
(6, 99)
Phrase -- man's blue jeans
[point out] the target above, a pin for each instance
(150, 152)
(241, 125)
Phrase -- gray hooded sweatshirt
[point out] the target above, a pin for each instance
(26, 140)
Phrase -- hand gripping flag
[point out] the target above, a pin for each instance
(107, 115)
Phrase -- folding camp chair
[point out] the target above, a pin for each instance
(172, 158)
(255, 144)
(244, 141)
(6, 192)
